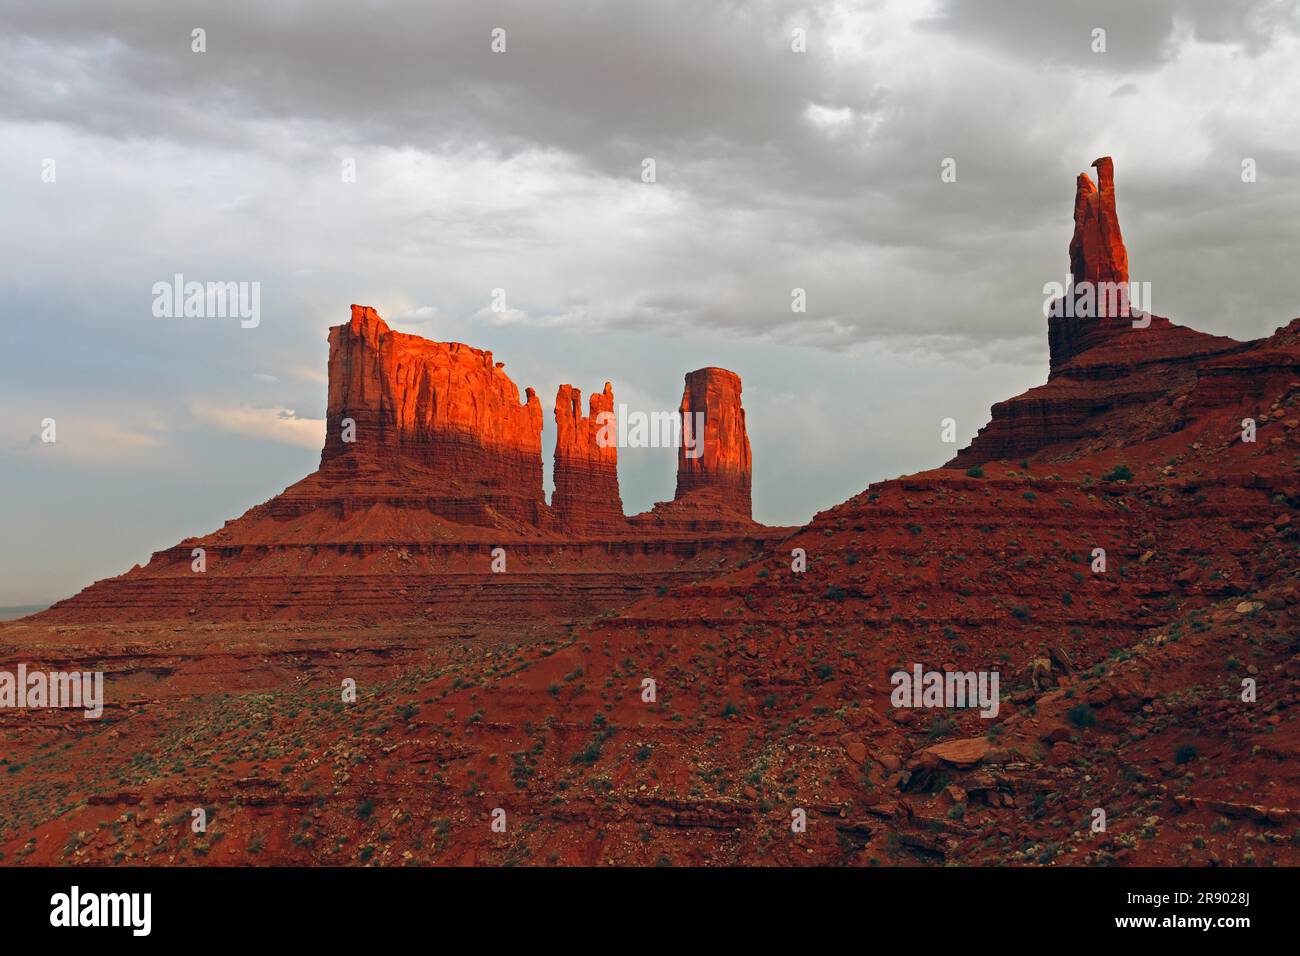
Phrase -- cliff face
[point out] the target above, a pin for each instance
(586, 469)
(719, 464)
(442, 407)
(1262, 368)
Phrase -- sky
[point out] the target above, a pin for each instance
(795, 146)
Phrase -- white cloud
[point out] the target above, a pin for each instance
(829, 118)
(280, 425)
(420, 315)
(310, 373)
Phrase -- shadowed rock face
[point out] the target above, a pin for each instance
(442, 407)
(718, 466)
(586, 469)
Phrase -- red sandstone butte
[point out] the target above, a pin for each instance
(443, 407)
(398, 525)
(719, 466)
(586, 469)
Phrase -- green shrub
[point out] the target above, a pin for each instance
(940, 727)
(1081, 715)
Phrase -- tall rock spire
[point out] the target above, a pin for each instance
(1097, 259)
(717, 462)
(1097, 252)
(586, 468)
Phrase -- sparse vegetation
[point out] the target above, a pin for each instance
(1081, 715)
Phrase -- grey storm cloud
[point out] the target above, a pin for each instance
(1139, 36)
(817, 171)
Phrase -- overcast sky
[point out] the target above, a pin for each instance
(522, 171)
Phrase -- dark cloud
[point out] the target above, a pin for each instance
(817, 170)
(1140, 36)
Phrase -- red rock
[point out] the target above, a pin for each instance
(889, 762)
(1097, 252)
(719, 467)
(586, 468)
(960, 753)
(1100, 364)
(365, 542)
(1061, 754)
(1055, 733)
(1100, 695)
(442, 407)
(1247, 377)
(445, 467)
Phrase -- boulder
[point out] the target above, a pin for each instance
(960, 753)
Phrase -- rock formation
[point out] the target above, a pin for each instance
(1098, 260)
(1099, 363)
(442, 407)
(430, 462)
(718, 463)
(1097, 252)
(586, 468)
(1249, 374)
